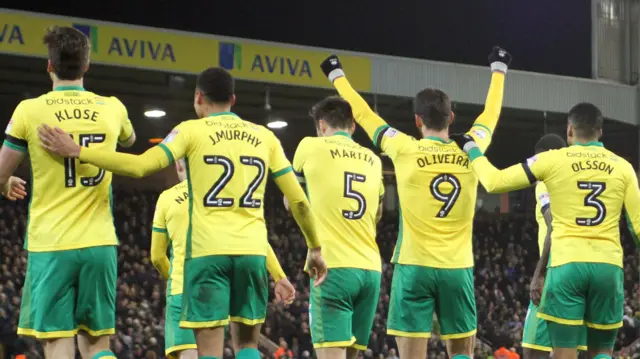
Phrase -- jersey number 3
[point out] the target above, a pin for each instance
(211, 199)
(591, 200)
(70, 163)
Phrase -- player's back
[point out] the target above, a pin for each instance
(344, 186)
(70, 204)
(437, 190)
(587, 186)
(175, 210)
(227, 163)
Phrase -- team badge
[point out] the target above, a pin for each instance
(391, 132)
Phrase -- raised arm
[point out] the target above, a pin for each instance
(483, 128)
(364, 115)
(154, 159)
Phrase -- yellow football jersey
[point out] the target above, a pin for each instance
(542, 203)
(172, 217)
(588, 186)
(70, 204)
(344, 186)
(227, 161)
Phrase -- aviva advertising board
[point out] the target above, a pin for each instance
(181, 52)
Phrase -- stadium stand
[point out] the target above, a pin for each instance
(505, 255)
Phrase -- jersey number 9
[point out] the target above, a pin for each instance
(211, 199)
(70, 163)
(448, 199)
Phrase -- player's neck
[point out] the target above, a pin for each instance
(68, 83)
(442, 134)
(584, 141)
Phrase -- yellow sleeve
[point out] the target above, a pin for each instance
(126, 129)
(278, 162)
(273, 266)
(177, 142)
(484, 126)
(632, 207)
(300, 158)
(137, 166)
(160, 240)
(17, 132)
(364, 115)
(300, 207)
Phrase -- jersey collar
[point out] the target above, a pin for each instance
(69, 88)
(342, 133)
(222, 114)
(434, 138)
(592, 143)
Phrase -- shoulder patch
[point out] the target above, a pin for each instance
(482, 134)
(6, 131)
(391, 132)
(170, 136)
(543, 198)
(531, 160)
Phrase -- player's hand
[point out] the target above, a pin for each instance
(285, 292)
(14, 189)
(535, 289)
(499, 59)
(55, 140)
(332, 67)
(464, 141)
(317, 267)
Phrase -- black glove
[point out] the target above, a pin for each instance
(499, 59)
(464, 141)
(332, 67)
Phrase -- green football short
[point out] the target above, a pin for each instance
(175, 338)
(342, 309)
(584, 293)
(220, 288)
(417, 292)
(536, 334)
(68, 291)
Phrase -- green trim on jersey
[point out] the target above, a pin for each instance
(283, 171)
(474, 154)
(14, 146)
(592, 143)
(342, 133)
(167, 152)
(159, 230)
(222, 114)
(187, 253)
(396, 252)
(69, 88)
(377, 133)
(434, 138)
(485, 127)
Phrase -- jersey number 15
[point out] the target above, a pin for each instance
(70, 163)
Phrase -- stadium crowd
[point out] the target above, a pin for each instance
(505, 255)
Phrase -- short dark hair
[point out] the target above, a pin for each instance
(335, 111)
(549, 142)
(433, 106)
(68, 51)
(586, 119)
(216, 84)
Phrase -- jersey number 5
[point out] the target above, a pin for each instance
(70, 163)
(211, 199)
(349, 192)
(448, 199)
(591, 200)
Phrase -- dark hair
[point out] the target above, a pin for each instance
(586, 119)
(335, 111)
(68, 51)
(216, 84)
(549, 142)
(433, 106)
